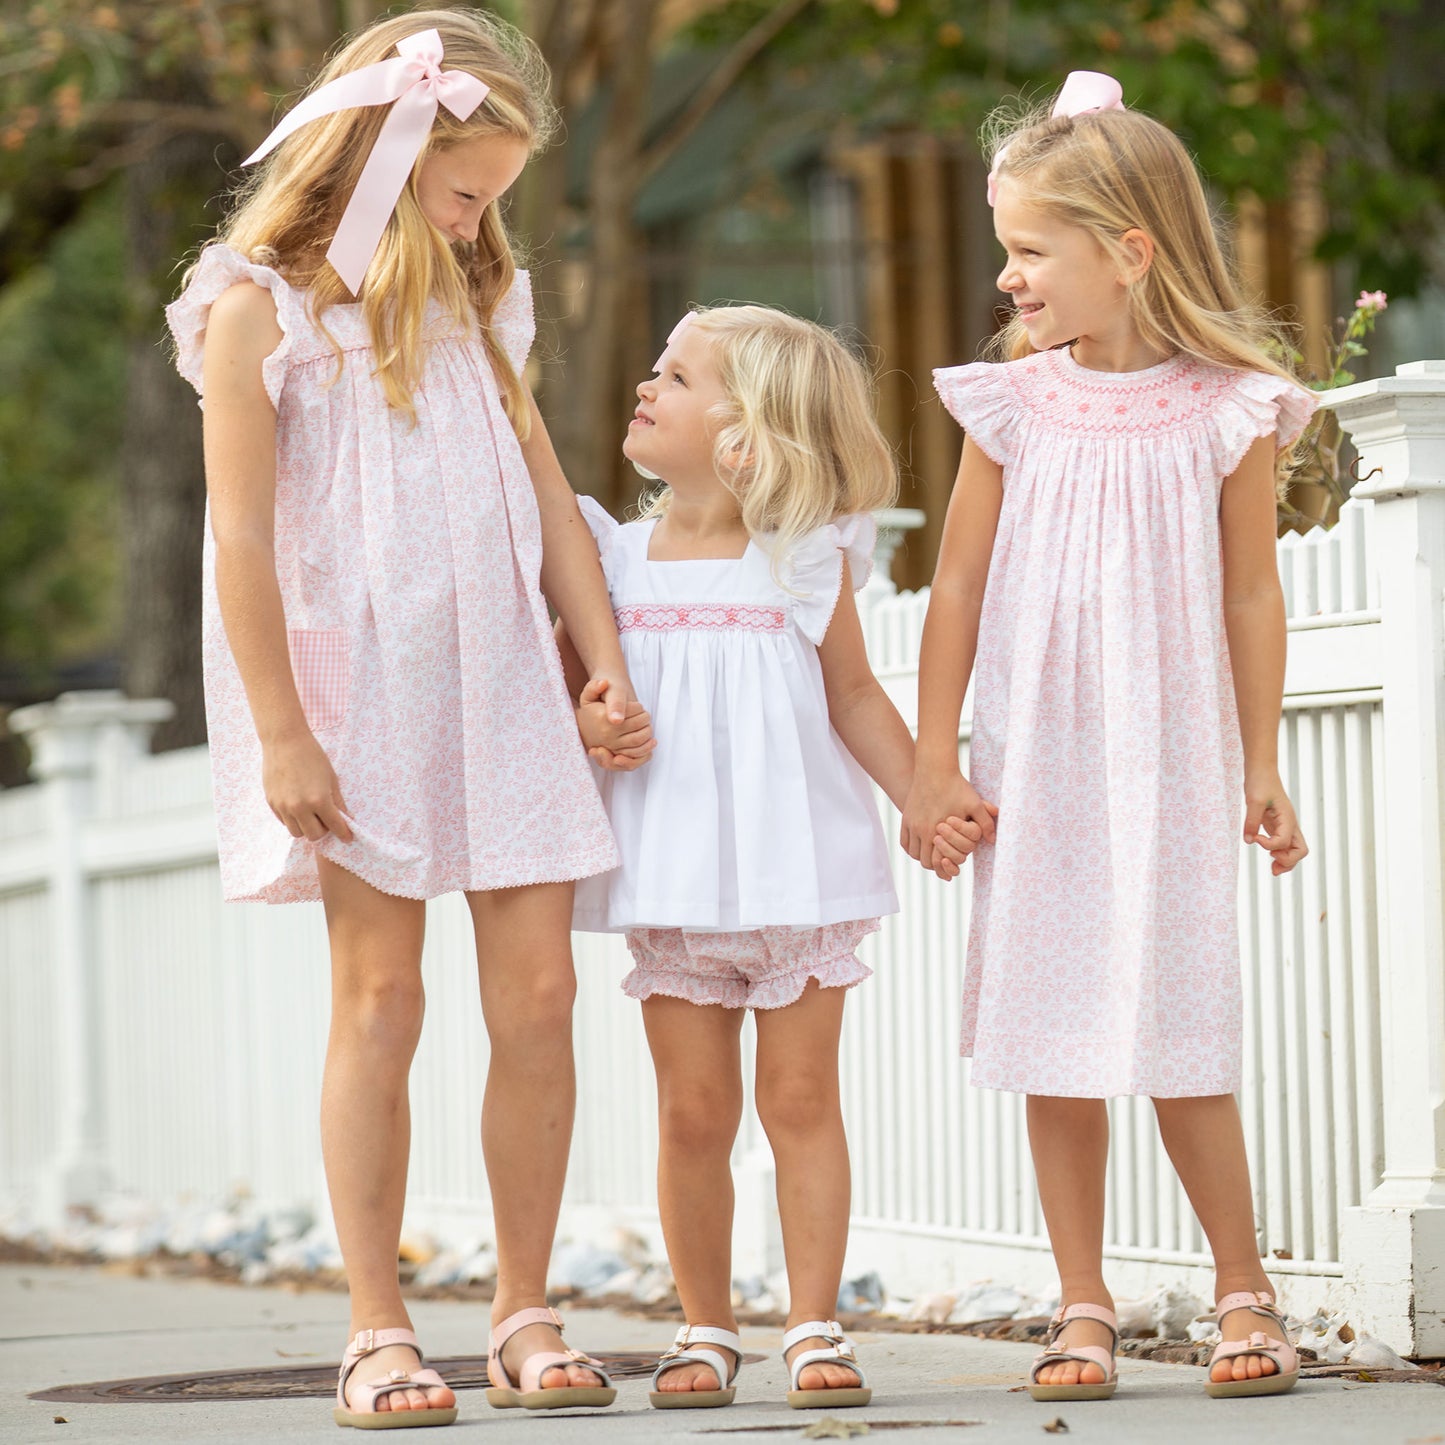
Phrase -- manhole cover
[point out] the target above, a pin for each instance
(461, 1372)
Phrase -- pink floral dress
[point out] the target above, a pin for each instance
(1103, 957)
(409, 561)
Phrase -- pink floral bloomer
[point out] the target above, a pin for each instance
(753, 968)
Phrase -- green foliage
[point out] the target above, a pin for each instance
(61, 398)
(1253, 88)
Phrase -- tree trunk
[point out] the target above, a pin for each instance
(164, 493)
(600, 360)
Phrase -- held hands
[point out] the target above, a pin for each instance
(1269, 820)
(944, 820)
(302, 790)
(617, 734)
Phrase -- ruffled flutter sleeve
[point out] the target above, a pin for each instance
(983, 400)
(188, 315)
(815, 574)
(603, 526)
(1260, 405)
(514, 323)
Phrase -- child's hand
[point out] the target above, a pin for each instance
(302, 790)
(1269, 820)
(944, 820)
(955, 839)
(616, 746)
(615, 693)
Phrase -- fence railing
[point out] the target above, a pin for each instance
(156, 1041)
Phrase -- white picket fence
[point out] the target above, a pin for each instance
(153, 1040)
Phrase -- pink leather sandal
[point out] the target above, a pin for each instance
(527, 1391)
(1271, 1346)
(368, 1342)
(1057, 1354)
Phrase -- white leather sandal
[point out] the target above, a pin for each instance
(838, 1351)
(688, 1349)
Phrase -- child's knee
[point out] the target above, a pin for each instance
(793, 1102)
(698, 1119)
(385, 1006)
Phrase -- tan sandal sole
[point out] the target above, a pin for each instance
(692, 1399)
(1275, 1384)
(394, 1419)
(842, 1399)
(570, 1397)
(1074, 1392)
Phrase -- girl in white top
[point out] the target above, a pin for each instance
(753, 861)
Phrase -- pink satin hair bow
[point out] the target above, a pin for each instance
(415, 81)
(1084, 91)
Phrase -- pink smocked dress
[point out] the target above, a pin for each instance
(1103, 957)
(409, 559)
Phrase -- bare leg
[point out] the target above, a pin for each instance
(1206, 1145)
(524, 964)
(1069, 1139)
(376, 1012)
(800, 1108)
(699, 1106)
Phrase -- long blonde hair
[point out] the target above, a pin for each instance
(1114, 171)
(287, 212)
(799, 413)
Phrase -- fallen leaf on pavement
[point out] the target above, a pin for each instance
(1057, 1427)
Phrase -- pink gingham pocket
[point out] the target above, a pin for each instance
(320, 661)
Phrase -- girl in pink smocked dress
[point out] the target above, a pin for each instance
(753, 861)
(388, 717)
(1108, 572)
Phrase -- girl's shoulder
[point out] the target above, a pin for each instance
(217, 270)
(810, 574)
(610, 535)
(514, 322)
(1254, 404)
(987, 399)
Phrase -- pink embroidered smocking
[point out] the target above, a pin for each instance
(700, 617)
(1103, 954)
(408, 556)
(756, 968)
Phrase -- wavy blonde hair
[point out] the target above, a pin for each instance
(286, 213)
(799, 411)
(1113, 171)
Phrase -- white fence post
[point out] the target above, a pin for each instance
(78, 744)
(1393, 1246)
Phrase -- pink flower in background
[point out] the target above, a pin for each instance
(1372, 301)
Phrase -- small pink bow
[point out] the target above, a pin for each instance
(415, 81)
(673, 335)
(1084, 91)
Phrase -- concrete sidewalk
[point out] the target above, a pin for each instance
(64, 1327)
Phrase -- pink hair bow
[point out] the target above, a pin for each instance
(1084, 92)
(415, 81)
(673, 335)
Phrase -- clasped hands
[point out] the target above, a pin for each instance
(944, 820)
(617, 746)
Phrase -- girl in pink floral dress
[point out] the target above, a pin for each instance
(388, 717)
(1107, 572)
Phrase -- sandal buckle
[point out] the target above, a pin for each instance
(369, 1336)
